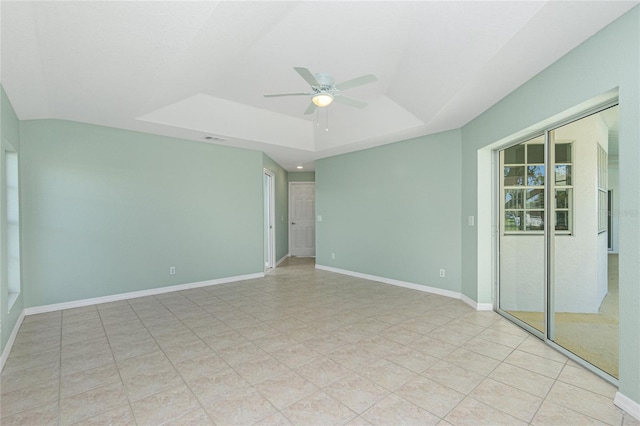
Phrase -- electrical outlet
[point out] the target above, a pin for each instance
(172, 270)
(333, 256)
(441, 273)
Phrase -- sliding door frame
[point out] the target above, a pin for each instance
(549, 233)
(498, 185)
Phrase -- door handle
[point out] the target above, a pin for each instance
(293, 223)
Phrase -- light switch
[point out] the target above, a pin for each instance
(472, 221)
(319, 218)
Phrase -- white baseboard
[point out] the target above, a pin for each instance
(425, 288)
(136, 294)
(628, 405)
(413, 286)
(285, 257)
(112, 298)
(12, 339)
(475, 305)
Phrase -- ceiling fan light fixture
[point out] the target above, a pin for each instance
(322, 99)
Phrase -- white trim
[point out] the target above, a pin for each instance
(270, 212)
(12, 339)
(285, 257)
(475, 305)
(628, 405)
(419, 287)
(136, 294)
(486, 249)
(13, 296)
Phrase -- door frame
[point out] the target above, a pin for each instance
(291, 184)
(269, 214)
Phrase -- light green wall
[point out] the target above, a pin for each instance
(608, 60)
(393, 211)
(282, 206)
(302, 177)
(9, 123)
(108, 211)
(9, 134)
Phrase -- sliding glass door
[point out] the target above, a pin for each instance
(522, 247)
(584, 300)
(557, 275)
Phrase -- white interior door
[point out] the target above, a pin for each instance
(302, 225)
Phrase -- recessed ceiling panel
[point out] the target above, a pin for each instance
(348, 125)
(228, 119)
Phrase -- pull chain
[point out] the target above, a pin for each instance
(327, 121)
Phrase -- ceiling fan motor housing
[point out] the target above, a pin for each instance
(324, 90)
(326, 82)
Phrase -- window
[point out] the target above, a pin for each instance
(603, 203)
(523, 186)
(564, 186)
(13, 227)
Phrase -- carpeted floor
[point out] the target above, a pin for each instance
(593, 337)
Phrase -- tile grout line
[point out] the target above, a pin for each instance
(61, 375)
(557, 380)
(252, 386)
(161, 350)
(202, 406)
(124, 390)
(468, 394)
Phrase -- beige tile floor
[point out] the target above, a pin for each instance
(300, 346)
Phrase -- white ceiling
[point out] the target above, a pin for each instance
(190, 69)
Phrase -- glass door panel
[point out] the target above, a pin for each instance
(583, 293)
(522, 243)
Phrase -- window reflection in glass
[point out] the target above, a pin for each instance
(535, 199)
(513, 221)
(535, 175)
(514, 199)
(563, 175)
(562, 220)
(535, 153)
(562, 198)
(563, 153)
(514, 176)
(534, 220)
(514, 155)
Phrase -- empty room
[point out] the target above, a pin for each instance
(320, 212)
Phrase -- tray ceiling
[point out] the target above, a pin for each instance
(194, 69)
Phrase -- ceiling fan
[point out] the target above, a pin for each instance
(324, 91)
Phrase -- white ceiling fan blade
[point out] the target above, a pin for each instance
(355, 82)
(349, 101)
(306, 74)
(275, 95)
(310, 109)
